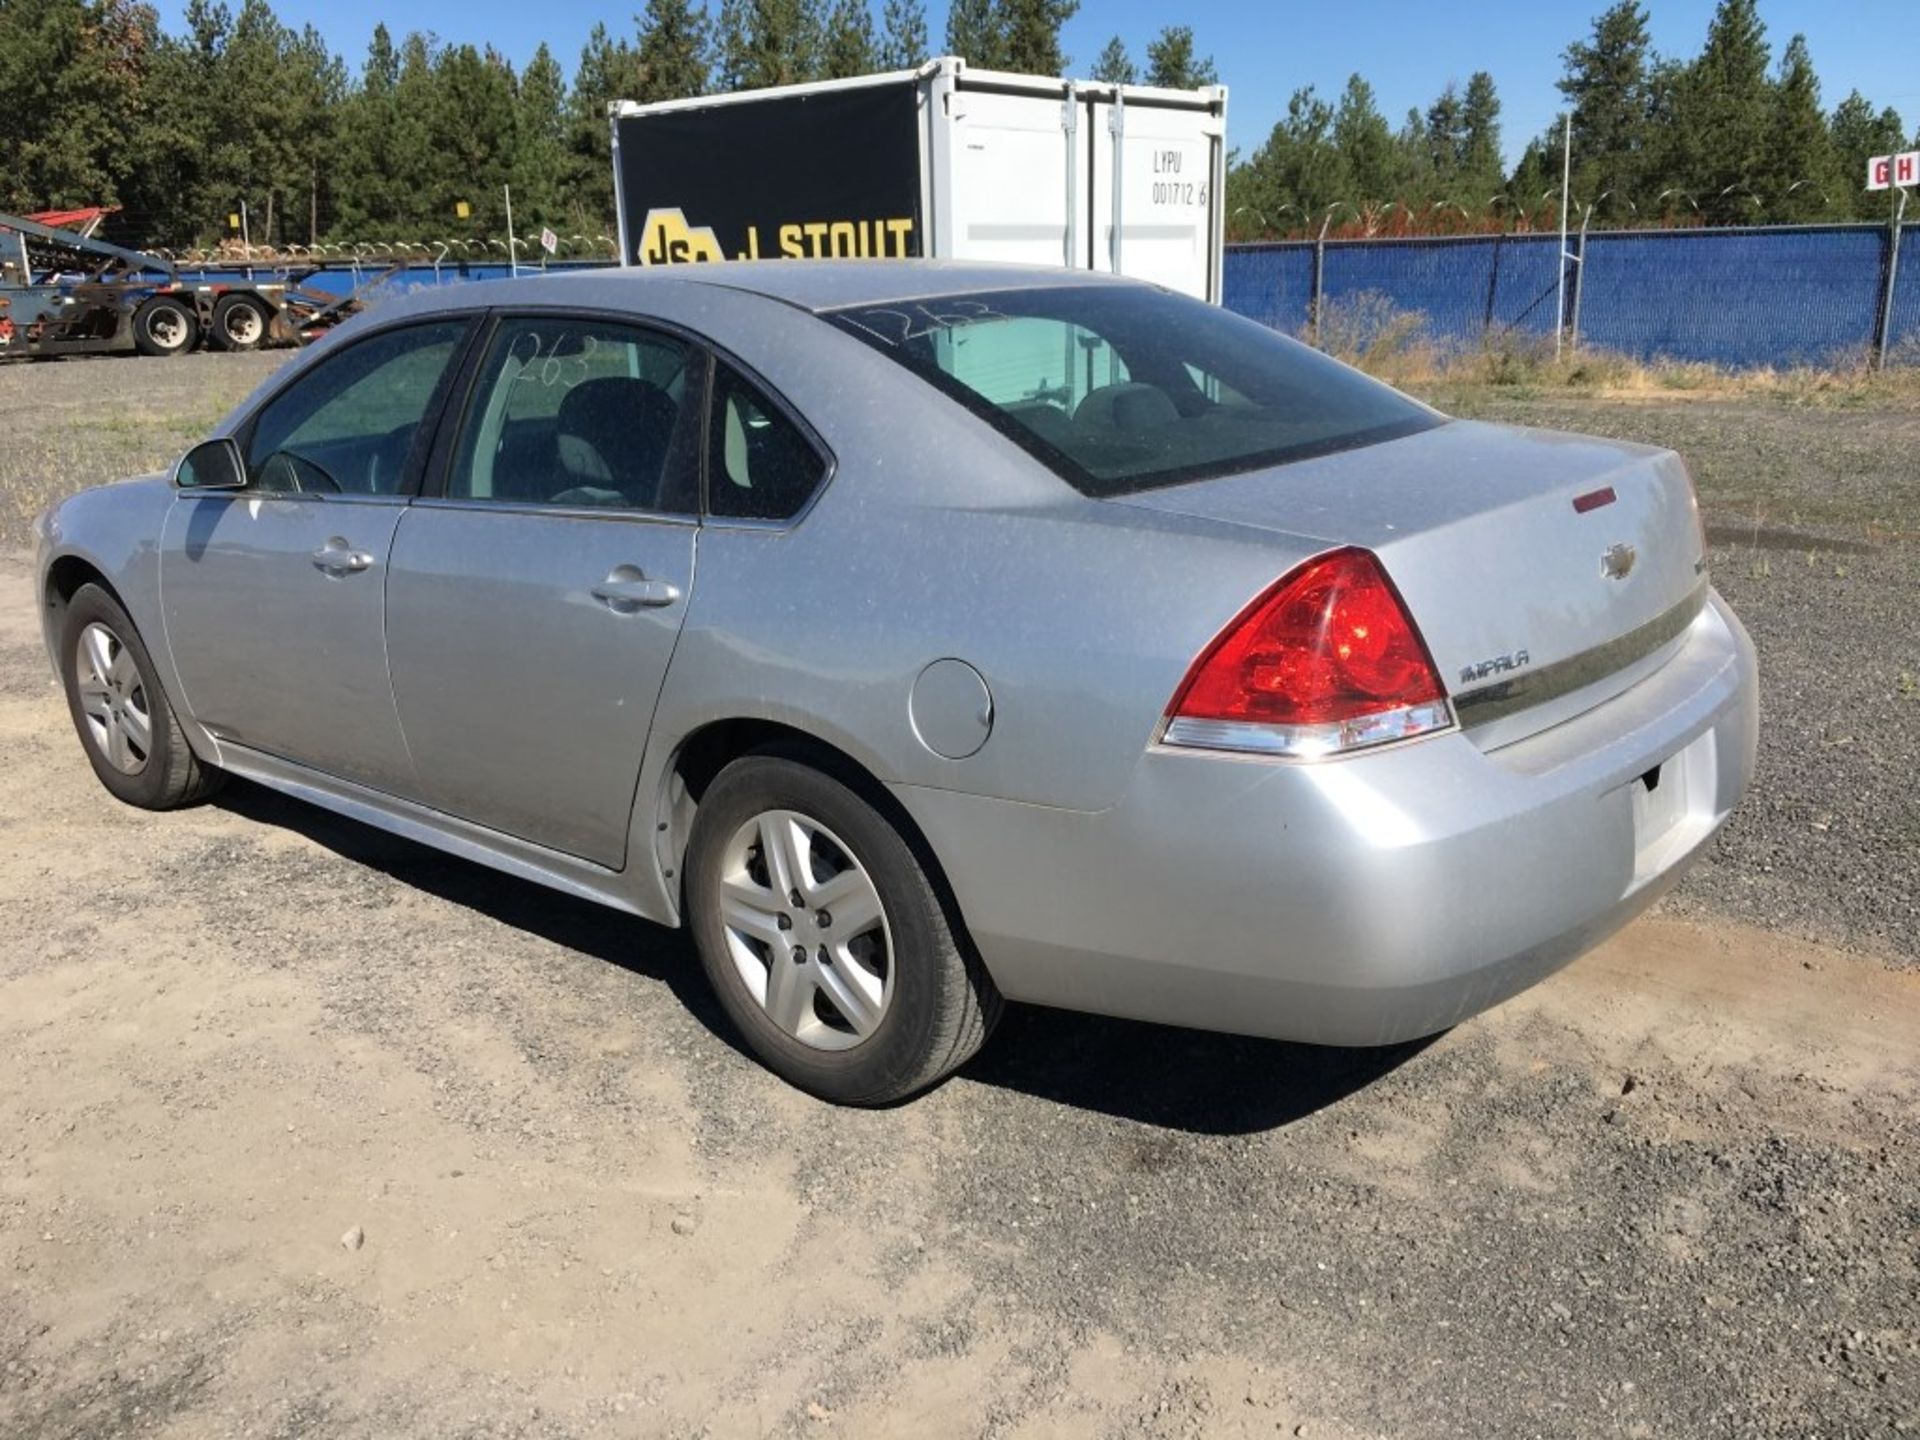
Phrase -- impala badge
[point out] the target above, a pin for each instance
(1617, 561)
(1498, 665)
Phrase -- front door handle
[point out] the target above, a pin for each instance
(628, 589)
(337, 558)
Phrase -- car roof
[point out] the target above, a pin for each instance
(829, 284)
(809, 284)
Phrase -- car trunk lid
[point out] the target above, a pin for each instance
(1545, 571)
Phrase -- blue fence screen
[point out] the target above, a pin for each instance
(1799, 295)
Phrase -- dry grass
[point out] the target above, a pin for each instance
(1369, 331)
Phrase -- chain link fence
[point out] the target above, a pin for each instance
(1740, 298)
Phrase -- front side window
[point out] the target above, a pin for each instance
(760, 466)
(348, 425)
(1121, 388)
(577, 413)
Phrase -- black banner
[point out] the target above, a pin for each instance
(831, 174)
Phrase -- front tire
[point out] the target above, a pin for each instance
(120, 712)
(826, 939)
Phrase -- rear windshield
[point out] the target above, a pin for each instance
(1122, 388)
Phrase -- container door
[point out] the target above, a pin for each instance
(1167, 201)
(1014, 178)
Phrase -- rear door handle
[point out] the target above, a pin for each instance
(337, 558)
(627, 590)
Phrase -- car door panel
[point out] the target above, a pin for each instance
(273, 651)
(525, 697)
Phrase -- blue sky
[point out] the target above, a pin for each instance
(1266, 48)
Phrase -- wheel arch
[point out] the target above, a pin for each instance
(65, 576)
(704, 752)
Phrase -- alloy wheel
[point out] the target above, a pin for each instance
(806, 930)
(113, 698)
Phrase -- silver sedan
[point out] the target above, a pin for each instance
(921, 635)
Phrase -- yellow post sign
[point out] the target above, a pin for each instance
(462, 209)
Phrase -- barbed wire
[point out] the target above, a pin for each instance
(370, 253)
(1505, 214)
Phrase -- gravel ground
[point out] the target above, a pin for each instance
(308, 1131)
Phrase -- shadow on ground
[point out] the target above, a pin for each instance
(1187, 1080)
(1158, 1075)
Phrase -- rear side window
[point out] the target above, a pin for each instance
(1121, 388)
(760, 465)
(348, 425)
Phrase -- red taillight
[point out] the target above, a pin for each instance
(1326, 660)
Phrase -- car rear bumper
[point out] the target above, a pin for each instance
(1359, 901)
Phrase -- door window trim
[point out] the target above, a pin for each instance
(418, 453)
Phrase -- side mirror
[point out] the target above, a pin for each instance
(212, 465)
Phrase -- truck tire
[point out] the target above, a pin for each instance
(239, 323)
(165, 325)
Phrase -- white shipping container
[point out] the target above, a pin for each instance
(944, 161)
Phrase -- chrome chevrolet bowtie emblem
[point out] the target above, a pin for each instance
(1617, 561)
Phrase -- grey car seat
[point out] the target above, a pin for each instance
(612, 435)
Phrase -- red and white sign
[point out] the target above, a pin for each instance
(1886, 171)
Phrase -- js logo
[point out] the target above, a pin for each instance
(667, 239)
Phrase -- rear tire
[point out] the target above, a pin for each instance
(165, 325)
(121, 714)
(929, 1002)
(239, 324)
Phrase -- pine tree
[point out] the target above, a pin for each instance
(1114, 66)
(1533, 178)
(730, 45)
(672, 53)
(1032, 34)
(1482, 171)
(73, 86)
(1413, 158)
(471, 135)
(540, 132)
(1365, 142)
(1171, 61)
(609, 70)
(903, 35)
(1446, 131)
(847, 48)
(1799, 176)
(977, 34)
(1858, 134)
(1667, 182)
(313, 86)
(1605, 80)
(769, 42)
(1299, 169)
(1723, 113)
